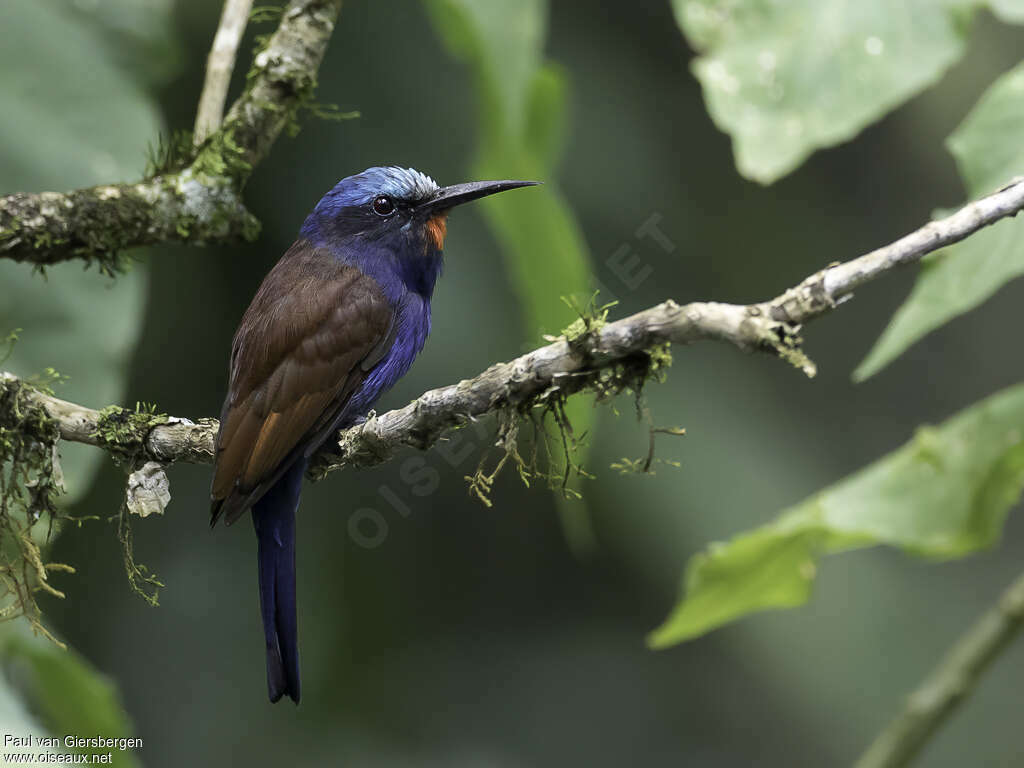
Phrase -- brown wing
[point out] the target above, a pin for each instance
(295, 360)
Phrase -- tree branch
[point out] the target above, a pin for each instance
(283, 76)
(219, 66)
(200, 203)
(564, 366)
(171, 440)
(949, 683)
(97, 223)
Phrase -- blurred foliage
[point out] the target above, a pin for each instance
(30, 484)
(1011, 11)
(944, 494)
(521, 103)
(786, 78)
(521, 123)
(989, 152)
(86, 325)
(488, 613)
(63, 691)
(134, 35)
(82, 323)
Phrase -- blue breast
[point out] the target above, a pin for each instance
(412, 326)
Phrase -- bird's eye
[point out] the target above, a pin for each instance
(383, 206)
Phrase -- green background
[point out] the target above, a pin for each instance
(474, 636)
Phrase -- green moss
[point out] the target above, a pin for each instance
(141, 580)
(42, 241)
(30, 483)
(12, 229)
(123, 432)
(329, 112)
(645, 464)
(592, 317)
(7, 345)
(108, 224)
(264, 13)
(222, 157)
(171, 154)
(660, 361)
(481, 482)
(557, 463)
(184, 226)
(787, 343)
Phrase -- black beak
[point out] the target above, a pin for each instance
(457, 194)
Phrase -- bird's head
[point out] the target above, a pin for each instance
(400, 206)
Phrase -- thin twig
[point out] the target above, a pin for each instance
(952, 681)
(772, 326)
(219, 66)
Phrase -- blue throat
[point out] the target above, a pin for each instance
(400, 260)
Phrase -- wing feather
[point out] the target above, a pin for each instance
(297, 357)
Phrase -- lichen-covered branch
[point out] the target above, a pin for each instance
(98, 223)
(821, 290)
(949, 683)
(123, 431)
(598, 355)
(282, 78)
(198, 199)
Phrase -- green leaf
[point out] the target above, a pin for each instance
(67, 694)
(72, 118)
(944, 494)
(521, 108)
(1010, 11)
(521, 118)
(787, 77)
(988, 152)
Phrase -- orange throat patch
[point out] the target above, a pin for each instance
(436, 229)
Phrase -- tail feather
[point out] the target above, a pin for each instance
(273, 517)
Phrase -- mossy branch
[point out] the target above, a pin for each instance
(595, 354)
(99, 223)
(198, 200)
(30, 482)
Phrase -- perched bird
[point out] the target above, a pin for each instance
(336, 322)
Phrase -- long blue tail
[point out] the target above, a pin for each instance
(274, 519)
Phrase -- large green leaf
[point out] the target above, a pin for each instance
(521, 117)
(787, 77)
(72, 117)
(521, 108)
(988, 150)
(66, 694)
(1011, 11)
(944, 494)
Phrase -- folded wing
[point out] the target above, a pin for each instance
(299, 354)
